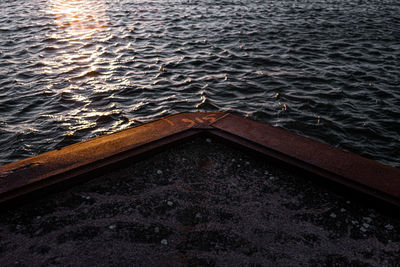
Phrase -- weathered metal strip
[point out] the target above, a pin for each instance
(341, 166)
(25, 175)
(89, 171)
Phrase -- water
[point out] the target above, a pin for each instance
(74, 69)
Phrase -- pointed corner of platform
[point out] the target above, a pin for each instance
(194, 120)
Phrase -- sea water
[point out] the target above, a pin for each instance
(75, 69)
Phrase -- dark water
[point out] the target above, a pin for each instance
(74, 69)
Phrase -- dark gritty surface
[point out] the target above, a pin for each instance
(201, 203)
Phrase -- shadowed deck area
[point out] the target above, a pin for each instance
(199, 203)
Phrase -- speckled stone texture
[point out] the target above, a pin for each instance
(201, 203)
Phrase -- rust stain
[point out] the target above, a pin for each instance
(210, 118)
(191, 123)
(168, 121)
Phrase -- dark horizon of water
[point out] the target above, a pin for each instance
(73, 70)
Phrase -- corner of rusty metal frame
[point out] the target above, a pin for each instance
(75, 163)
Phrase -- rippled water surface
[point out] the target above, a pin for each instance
(74, 69)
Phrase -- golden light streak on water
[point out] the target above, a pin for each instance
(79, 22)
(79, 17)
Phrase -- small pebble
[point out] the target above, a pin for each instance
(266, 172)
(38, 217)
(233, 160)
(170, 203)
(333, 215)
(198, 215)
(208, 140)
(156, 229)
(389, 227)
(368, 219)
(112, 227)
(164, 242)
(366, 225)
(347, 202)
(354, 222)
(238, 165)
(159, 171)
(363, 229)
(247, 163)
(342, 210)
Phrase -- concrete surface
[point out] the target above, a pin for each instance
(201, 203)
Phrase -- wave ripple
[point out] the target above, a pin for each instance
(326, 69)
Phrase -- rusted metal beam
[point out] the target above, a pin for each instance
(326, 161)
(26, 176)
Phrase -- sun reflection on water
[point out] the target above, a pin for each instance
(79, 17)
(76, 54)
(72, 51)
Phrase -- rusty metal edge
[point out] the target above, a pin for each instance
(43, 168)
(86, 172)
(224, 125)
(365, 175)
(316, 171)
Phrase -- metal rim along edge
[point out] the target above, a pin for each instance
(76, 162)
